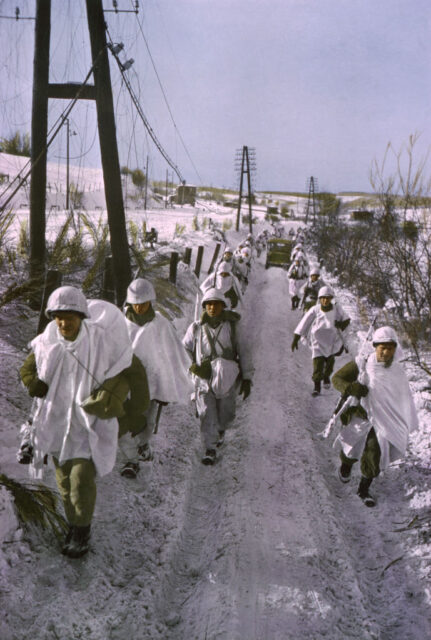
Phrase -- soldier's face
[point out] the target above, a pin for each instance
(68, 323)
(325, 301)
(141, 308)
(214, 308)
(314, 277)
(385, 351)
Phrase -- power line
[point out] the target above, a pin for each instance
(122, 67)
(166, 101)
(56, 128)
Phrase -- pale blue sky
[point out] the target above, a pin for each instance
(317, 87)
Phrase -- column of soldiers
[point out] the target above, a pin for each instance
(376, 408)
(100, 377)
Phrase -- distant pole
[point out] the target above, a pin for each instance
(166, 200)
(146, 186)
(250, 222)
(67, 165)
(240, 190)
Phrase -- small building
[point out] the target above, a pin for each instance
(186, 194)
(362, 215)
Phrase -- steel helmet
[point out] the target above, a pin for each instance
(315, 271)
(224, 267)
(67, 299)
(213, 294)
(228, 250)
(140, 291)
(384, 334)
(325, 292)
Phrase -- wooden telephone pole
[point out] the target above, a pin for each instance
(101, 92)
(248, 164)
(311, 206)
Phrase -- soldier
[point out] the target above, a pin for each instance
(296, 275)
(226, 282)
(377, 428)
(221, 363)
(324, 324)
(161, 352)
(76, 372)
(311, 288)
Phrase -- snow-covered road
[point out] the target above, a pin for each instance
(265, 545)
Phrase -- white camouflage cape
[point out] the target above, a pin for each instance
(164, 357)
(72, 370)
(390, 408)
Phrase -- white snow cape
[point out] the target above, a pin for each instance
(318, 326)
(72, 370)
(164, 357)
(390, 409)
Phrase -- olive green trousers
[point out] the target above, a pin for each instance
(370, 459)
(76, 481)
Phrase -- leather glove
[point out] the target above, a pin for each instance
(357, 389)
(342, 324)
(38, 388)
(202, 370)
(295, 341)
(245, 388)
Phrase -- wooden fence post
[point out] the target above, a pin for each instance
(199, 261)
(173, 267)
(187, 256)
(215, 256)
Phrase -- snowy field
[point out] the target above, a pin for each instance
(265, 545)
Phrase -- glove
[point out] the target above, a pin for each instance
(38, 388)
(245, 388)
(342, 324)
(357, 389)
(295, 341)
(202, 370)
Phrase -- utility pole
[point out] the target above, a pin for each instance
(101, 92)
(39, 132)
(311, 206)
(166, 189)
(146, 186)
(68, 134)
(108, 149)
(248, 165)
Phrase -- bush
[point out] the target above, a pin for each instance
(410, 230)
(17, 145)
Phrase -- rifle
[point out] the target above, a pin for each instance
(346, 401)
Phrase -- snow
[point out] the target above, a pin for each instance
(265, 545)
